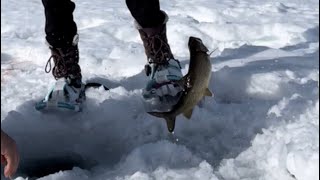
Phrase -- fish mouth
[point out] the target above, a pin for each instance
(194, 41)
(196, 45)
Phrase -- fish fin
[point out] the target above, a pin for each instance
(156, 114)
(188, 113)
(171, 122)
(208, 92)
(182, 82)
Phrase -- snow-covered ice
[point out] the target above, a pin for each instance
(262, 124)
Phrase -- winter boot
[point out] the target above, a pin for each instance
(66, 66)
(161, 91)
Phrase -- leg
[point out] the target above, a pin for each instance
(151, 23)
(60, 27)
(61, 35)
(161, 90)
(146, 12)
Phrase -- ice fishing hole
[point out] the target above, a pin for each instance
(37, 168)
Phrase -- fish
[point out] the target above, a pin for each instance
(195, 84)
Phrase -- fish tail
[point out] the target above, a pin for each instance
(170, 120)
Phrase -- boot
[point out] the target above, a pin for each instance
(164, 70)
(66, 66)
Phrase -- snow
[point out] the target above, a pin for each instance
(263, 122)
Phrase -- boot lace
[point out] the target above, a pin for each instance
(158, 49)
(65, 62)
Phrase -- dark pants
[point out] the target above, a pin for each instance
(60, 27)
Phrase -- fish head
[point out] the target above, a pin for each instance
(196, 45)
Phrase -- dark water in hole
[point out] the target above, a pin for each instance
(36, 168)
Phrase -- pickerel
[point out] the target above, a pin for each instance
(195, 84)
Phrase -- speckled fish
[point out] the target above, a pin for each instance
(195, 84)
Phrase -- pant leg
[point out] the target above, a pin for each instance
(60, 27)
(146, 12)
